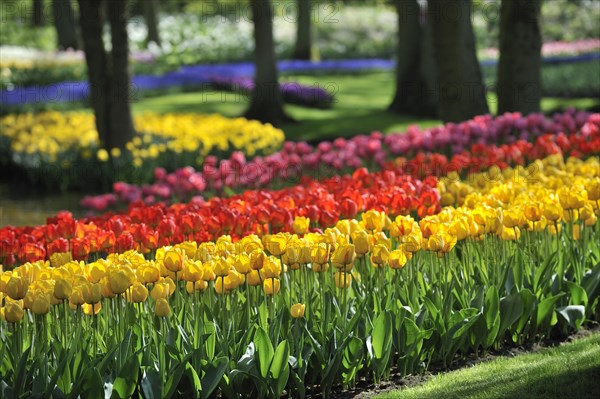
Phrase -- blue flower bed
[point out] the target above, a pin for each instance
(292, 92)
(201, 76)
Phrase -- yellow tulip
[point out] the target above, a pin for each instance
(173, 261)
(149, 273)
(254, 279)
(76, 298)
(380, 255)
(271, 286)
(16, 288)
(533, 213)
(373, 220)
(13, 311)
(552, 211)
(343, 255)
(160, 290)
(363, 242)
(91, 293)
(271, 268)
(192, 271)
(241, 263)
(571, 198)
(301, 224)
(593, 189)
(162, 308)
(221, 267)
(192, 287)
(512, 218)
(297, 310)
(342, 280)
(62, 289)
(90, 310)
(41, 303)
(119, 281)
(511, 234)
(276, 244)
(58, 259)
(137, 292)
(319, 253)
(397, 259)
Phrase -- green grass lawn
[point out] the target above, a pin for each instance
(568, 371)
(360, 107)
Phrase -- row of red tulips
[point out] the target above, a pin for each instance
(146, 227)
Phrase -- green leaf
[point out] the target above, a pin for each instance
(127, 378)
(529, 301)
(382, 336)
(264, 349)
(573, 314)
(353, 358)
(194, 380)
(152, 384)
(213, 374)
(511, 308)
(492, 315)
(590, 280)
(92, 387)
(546, 308)
(174, 378)
(280, 369)
(578, 294)
(20, 371)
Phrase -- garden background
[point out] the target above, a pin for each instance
(295, 198)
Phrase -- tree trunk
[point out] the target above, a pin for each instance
(121, 121)
(38, 13)
(110, 86)
(151, 8)
(91, 19)
(64, 22)
(461, 93)
(519, 67)
(266, 104)
(302, 50)
(415, 69)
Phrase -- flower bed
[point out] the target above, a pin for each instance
(38, 144)
(292, 92)
(273, 313)
(298, 159)
(145, 227)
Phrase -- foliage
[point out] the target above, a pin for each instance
(580, 79)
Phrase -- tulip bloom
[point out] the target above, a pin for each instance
(91, 293)
(162, 308)
(297, 310)
(271, 286)
(13, 311)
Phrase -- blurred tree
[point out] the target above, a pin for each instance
(519, 68)
(64, 22)
(266, 103)
(151, 9)
(460, 92)
(415, 68)
(303, 47)
(109, 78)
(38, 13)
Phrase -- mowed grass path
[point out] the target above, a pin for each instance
(360, 107)
(570, 370)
